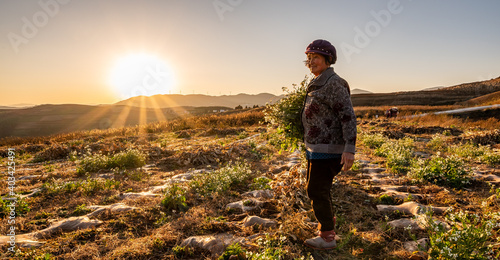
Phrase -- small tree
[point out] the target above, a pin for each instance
(286, 113)
(238, 107)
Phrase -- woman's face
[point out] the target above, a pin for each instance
(316, 63)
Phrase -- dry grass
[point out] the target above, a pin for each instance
(152, 232)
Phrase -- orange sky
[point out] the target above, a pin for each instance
(56, 51)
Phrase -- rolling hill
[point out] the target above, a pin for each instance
(438, 97)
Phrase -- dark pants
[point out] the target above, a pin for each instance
(320, 174)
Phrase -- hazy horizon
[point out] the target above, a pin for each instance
(53, 54)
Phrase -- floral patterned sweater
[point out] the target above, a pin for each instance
(327, 116)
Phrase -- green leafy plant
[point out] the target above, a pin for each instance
(450, 171)
(261, 183)
(373, 141)
(130, 158)
(175, 198)
(232, 251)
(269, 248)
(437, 143)
(221, 180)
(399, 154)
(81, 210)
(285, 115)
(470, 236)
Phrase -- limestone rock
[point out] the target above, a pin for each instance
(133, 195)
(411, 208)
(244, 205)
(216, 244)
(266, 194)
(412, 246)
(255, 220)
(65, 225)
(114, 208)
(405, 223)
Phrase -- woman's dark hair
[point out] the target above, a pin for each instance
(328, 59)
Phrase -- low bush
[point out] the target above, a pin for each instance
(470, 237)
(399, 154)
(175, 198)
(221, 180)
(130, 158)
(450, 171)
(373, 141)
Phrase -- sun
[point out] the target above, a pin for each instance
(141, 74)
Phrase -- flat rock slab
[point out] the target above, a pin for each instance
(244, 205)
(406, 223)
(265, 194)
(66, 225)
(25, 240)
(114, 208)
(216, 244)
(412, 246)
(411, 208)
(255, 220)
(133, 195)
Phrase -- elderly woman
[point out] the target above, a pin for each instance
(329, 136)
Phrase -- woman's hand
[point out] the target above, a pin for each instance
(347, 160)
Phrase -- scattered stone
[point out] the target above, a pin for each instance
(266, 194)
(421, 155)
(25, 240)
(216, 244)
(29, 177)
(405, 223)
(33, 193)
(114, 208)
(411, 208)
(133, 195)
(487, 177)
(412, 246)
(255, 220)
(373, 170)
(65, 225)
(244, 205)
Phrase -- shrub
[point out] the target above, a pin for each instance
(261, 183)
(399, 154)
(175, 198)
(437, 143)
(269, 248)
(130, 158)
(87, 187)
(286, 113)
(449, 171)
(373, 141)
(491, 158)
(221, 180)
(22, 207)
(233, 250)
(470, 237)
(468, 151)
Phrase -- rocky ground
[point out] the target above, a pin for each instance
(380, 214)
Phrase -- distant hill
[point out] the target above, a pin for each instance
(359, 91)
(442, 96)
(175, 100)
(55, 119)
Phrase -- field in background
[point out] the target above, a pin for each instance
(79, 170)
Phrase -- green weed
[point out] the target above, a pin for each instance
(221, 180)
(450, 171)
(175, 198)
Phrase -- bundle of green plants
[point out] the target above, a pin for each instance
(285, 115)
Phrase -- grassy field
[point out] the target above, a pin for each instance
(440, 161)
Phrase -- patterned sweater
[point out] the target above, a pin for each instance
(327, 116)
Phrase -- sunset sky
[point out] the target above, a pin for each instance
(100, 52)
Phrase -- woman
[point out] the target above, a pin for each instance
(329, 136)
